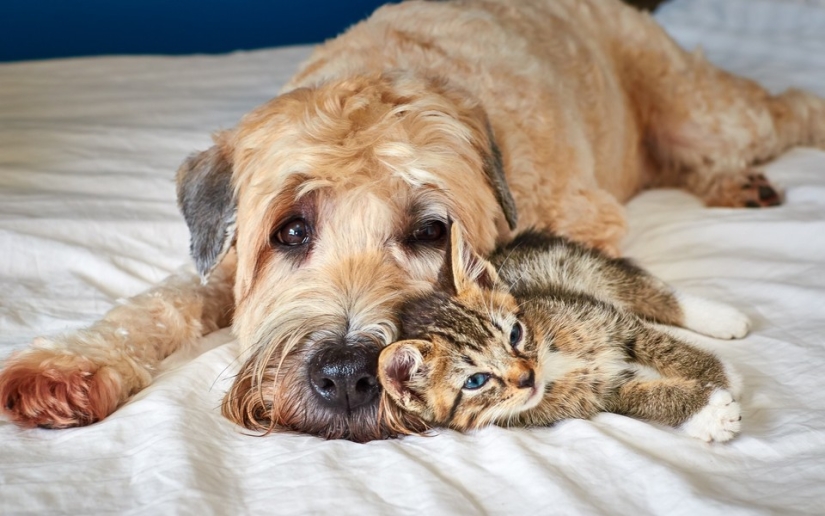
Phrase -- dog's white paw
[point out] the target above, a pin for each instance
(719, 420)
(713, 319)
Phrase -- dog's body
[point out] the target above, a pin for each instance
(327, 205)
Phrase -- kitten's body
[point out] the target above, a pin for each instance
(550, 330)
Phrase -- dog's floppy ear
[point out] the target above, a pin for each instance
(472, 113)
(494, 168)
(207, 200)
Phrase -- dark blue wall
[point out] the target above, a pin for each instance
(36, 29)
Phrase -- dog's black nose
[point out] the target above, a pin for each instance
(344, 375)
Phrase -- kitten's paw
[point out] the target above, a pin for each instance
(719, 420)
(713, 319)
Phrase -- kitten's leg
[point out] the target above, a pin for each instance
(696, 392)
(82, 377)
(649, 297)
(711, 317)
(673, 358)
(701, 411)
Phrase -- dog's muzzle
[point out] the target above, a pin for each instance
(343, 374)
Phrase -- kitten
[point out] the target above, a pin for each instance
(548, 330)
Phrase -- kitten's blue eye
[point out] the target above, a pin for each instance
(476, 381)
(515, 334)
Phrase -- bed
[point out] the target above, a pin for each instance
(88, 148)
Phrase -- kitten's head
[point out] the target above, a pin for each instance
(465, 359)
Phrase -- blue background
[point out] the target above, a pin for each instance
(37, 29)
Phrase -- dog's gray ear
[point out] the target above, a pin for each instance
(207, 200)
(494, 168)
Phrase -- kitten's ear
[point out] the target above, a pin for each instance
(401, 372)
(463, 268)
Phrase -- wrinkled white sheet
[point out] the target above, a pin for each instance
(88, 148)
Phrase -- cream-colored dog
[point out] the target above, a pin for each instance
(323, 208)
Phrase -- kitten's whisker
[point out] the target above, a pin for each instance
(506, 258)
(523, 273)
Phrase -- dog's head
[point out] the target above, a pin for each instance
(336, 199)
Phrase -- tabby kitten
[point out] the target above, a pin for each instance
(548, 330)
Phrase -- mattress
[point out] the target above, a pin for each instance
(88, 150)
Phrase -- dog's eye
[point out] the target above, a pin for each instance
(430, 231)
(294, 232)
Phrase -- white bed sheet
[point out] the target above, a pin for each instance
(88, 148)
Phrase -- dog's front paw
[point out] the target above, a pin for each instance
(719, 420)
(56, 389)
(713, 319)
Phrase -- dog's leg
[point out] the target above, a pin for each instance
(704, 128)
(590, 215)
(718, 127)
(82, 377)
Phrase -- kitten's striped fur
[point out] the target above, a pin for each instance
(552, 330)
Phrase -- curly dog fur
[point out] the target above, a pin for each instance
(322, 209)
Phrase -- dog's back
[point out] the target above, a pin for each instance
(590, 101)
(543, 73)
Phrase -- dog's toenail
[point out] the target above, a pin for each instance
(766, 193)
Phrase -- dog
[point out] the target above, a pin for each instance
(324, 208)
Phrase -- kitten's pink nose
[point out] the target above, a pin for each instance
(527, 379)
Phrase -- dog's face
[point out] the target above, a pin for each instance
(337, 200)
